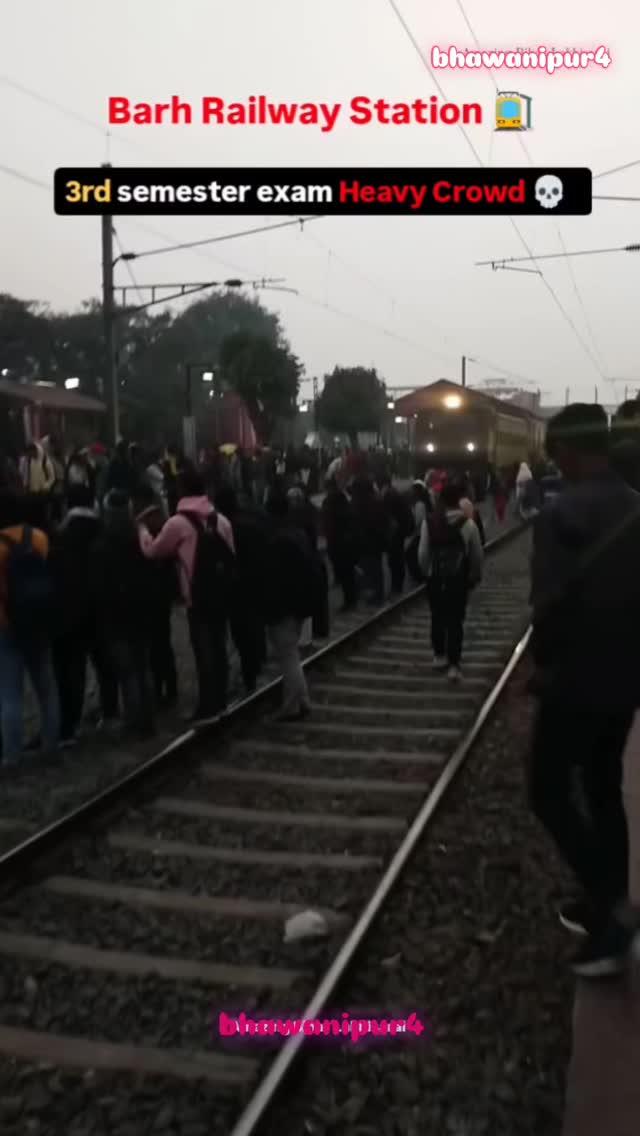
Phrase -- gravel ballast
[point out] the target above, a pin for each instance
(470, 940)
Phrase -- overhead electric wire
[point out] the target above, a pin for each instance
(229, 236)
(127, 264)
(555, 255)
(598, 357)
(74, 115)
(587, 350)
(24, 177)
(617, 169)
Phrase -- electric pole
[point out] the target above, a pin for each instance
(108, 315)
(464, 371)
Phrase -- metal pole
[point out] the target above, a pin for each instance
(464, 370)
(566, 397)
(108, 316)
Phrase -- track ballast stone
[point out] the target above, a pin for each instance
(471, 940)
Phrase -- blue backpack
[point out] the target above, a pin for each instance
(29, 589)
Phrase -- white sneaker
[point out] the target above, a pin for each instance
(439, 662)
(454, 674)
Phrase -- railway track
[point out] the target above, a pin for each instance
(119, 951)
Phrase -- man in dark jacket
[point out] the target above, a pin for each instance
(373, 529)
(586, 629)
(164, 592)
(76, 633)
(339, 529)
(246, 617)
(400, 521)
(119, 574)
(121, 474)
(289, 590)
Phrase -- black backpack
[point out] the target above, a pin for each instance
(214, 569)
(449, 557)
(30, 590)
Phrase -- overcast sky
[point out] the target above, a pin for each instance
(414, 277)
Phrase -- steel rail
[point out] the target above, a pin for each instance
(17, 860)
(255, 1112)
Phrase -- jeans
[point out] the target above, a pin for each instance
(344, 570)
(247, 632)
(208, 635)
(70, 653)
(395, 556)
(373, 569)
(284, 637)
(161, 657)
(569, 740)
(35, 659)
(448, 602)
(130, 657)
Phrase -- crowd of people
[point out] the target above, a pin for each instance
(98, 549)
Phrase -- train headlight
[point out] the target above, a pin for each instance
(431, 448)
(453, 402)
(471, 447)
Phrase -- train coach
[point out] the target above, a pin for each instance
(459, 428)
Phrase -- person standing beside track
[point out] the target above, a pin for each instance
(586, 627)
(450, 556)
(290, 589)
(201, 540)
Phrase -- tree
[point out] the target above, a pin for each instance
(352, 400)
(265, 374)
(24, 338)
(153, 351)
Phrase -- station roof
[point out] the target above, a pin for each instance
(425, 398)
(54, 398)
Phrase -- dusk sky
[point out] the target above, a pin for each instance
(400, 294)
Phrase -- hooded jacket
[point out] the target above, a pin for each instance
(70, 562)
(585, 594)
(119, 578)
(290, 573)
(179, 539)
(471, 537)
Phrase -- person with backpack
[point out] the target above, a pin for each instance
(290, 590)
(250, 535)
(401, 524)
(585, 598)
(36, 470)
(164, 592)
(201, 540)
(26, 612)
(451, 558)
(75, 635)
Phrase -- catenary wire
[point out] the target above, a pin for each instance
(596, 350)
(587, 350)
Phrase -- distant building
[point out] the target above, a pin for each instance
(515, 396)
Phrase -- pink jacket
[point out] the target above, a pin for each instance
(178, 538)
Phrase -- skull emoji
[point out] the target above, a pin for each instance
(549, 191)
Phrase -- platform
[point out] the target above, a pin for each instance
(603, 1085)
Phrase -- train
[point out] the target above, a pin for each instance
(462, 429)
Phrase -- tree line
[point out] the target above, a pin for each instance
(228, 333)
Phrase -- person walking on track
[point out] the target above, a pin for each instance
(450, 556)
(586, 628)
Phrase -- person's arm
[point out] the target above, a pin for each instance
(226, 531)
(423, 549)
(474, 552)
(165, 544)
